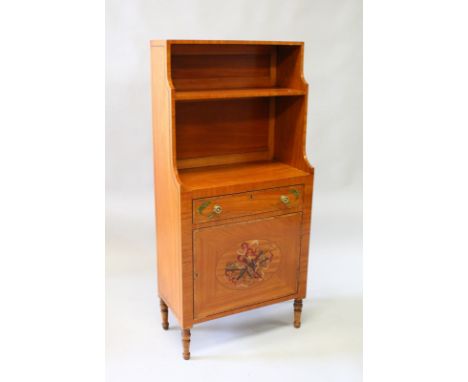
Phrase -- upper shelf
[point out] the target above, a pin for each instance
(206, 71)
(192, 95)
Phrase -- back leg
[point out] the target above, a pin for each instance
(164, 314)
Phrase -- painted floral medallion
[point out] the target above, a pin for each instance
(251, 263)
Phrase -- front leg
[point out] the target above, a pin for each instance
(297, 312)
(186, 343)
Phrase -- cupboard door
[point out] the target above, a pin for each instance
(241, 264)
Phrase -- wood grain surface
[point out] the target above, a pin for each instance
(212, 245)
(229, 129)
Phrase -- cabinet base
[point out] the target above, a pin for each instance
(186, 332)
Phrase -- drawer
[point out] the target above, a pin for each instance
(286, 199)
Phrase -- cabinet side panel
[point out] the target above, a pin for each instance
(291, 132)
(290, 140)
(167, 189)
(305, 237)
(291, 112)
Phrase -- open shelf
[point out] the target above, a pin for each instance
(237, 174)
(192, 95)
(237, 104)
(213, 71)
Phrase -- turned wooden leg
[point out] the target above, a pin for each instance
(297, 312)
(164, 314)
(186, 343)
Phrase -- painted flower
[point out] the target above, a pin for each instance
(251, 264)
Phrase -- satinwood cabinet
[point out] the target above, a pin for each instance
(233, 187)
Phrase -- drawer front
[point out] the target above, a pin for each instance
(241, 264)
(248, 203)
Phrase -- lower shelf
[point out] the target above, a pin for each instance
(193, 95)
(231, 175)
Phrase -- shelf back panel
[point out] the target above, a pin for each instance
(235, 128)
(223, 66)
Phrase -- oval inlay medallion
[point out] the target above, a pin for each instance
(252, 262)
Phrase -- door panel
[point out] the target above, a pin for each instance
(241, 264)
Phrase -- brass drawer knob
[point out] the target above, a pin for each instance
(284, 199)
(217, 209)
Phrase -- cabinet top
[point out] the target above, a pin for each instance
(237, 42)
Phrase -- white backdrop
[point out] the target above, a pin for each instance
(329, 344)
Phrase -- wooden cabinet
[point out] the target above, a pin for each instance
(233, 187)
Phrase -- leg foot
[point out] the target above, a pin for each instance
(297, 312)
(186, 343)
(164, 314)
